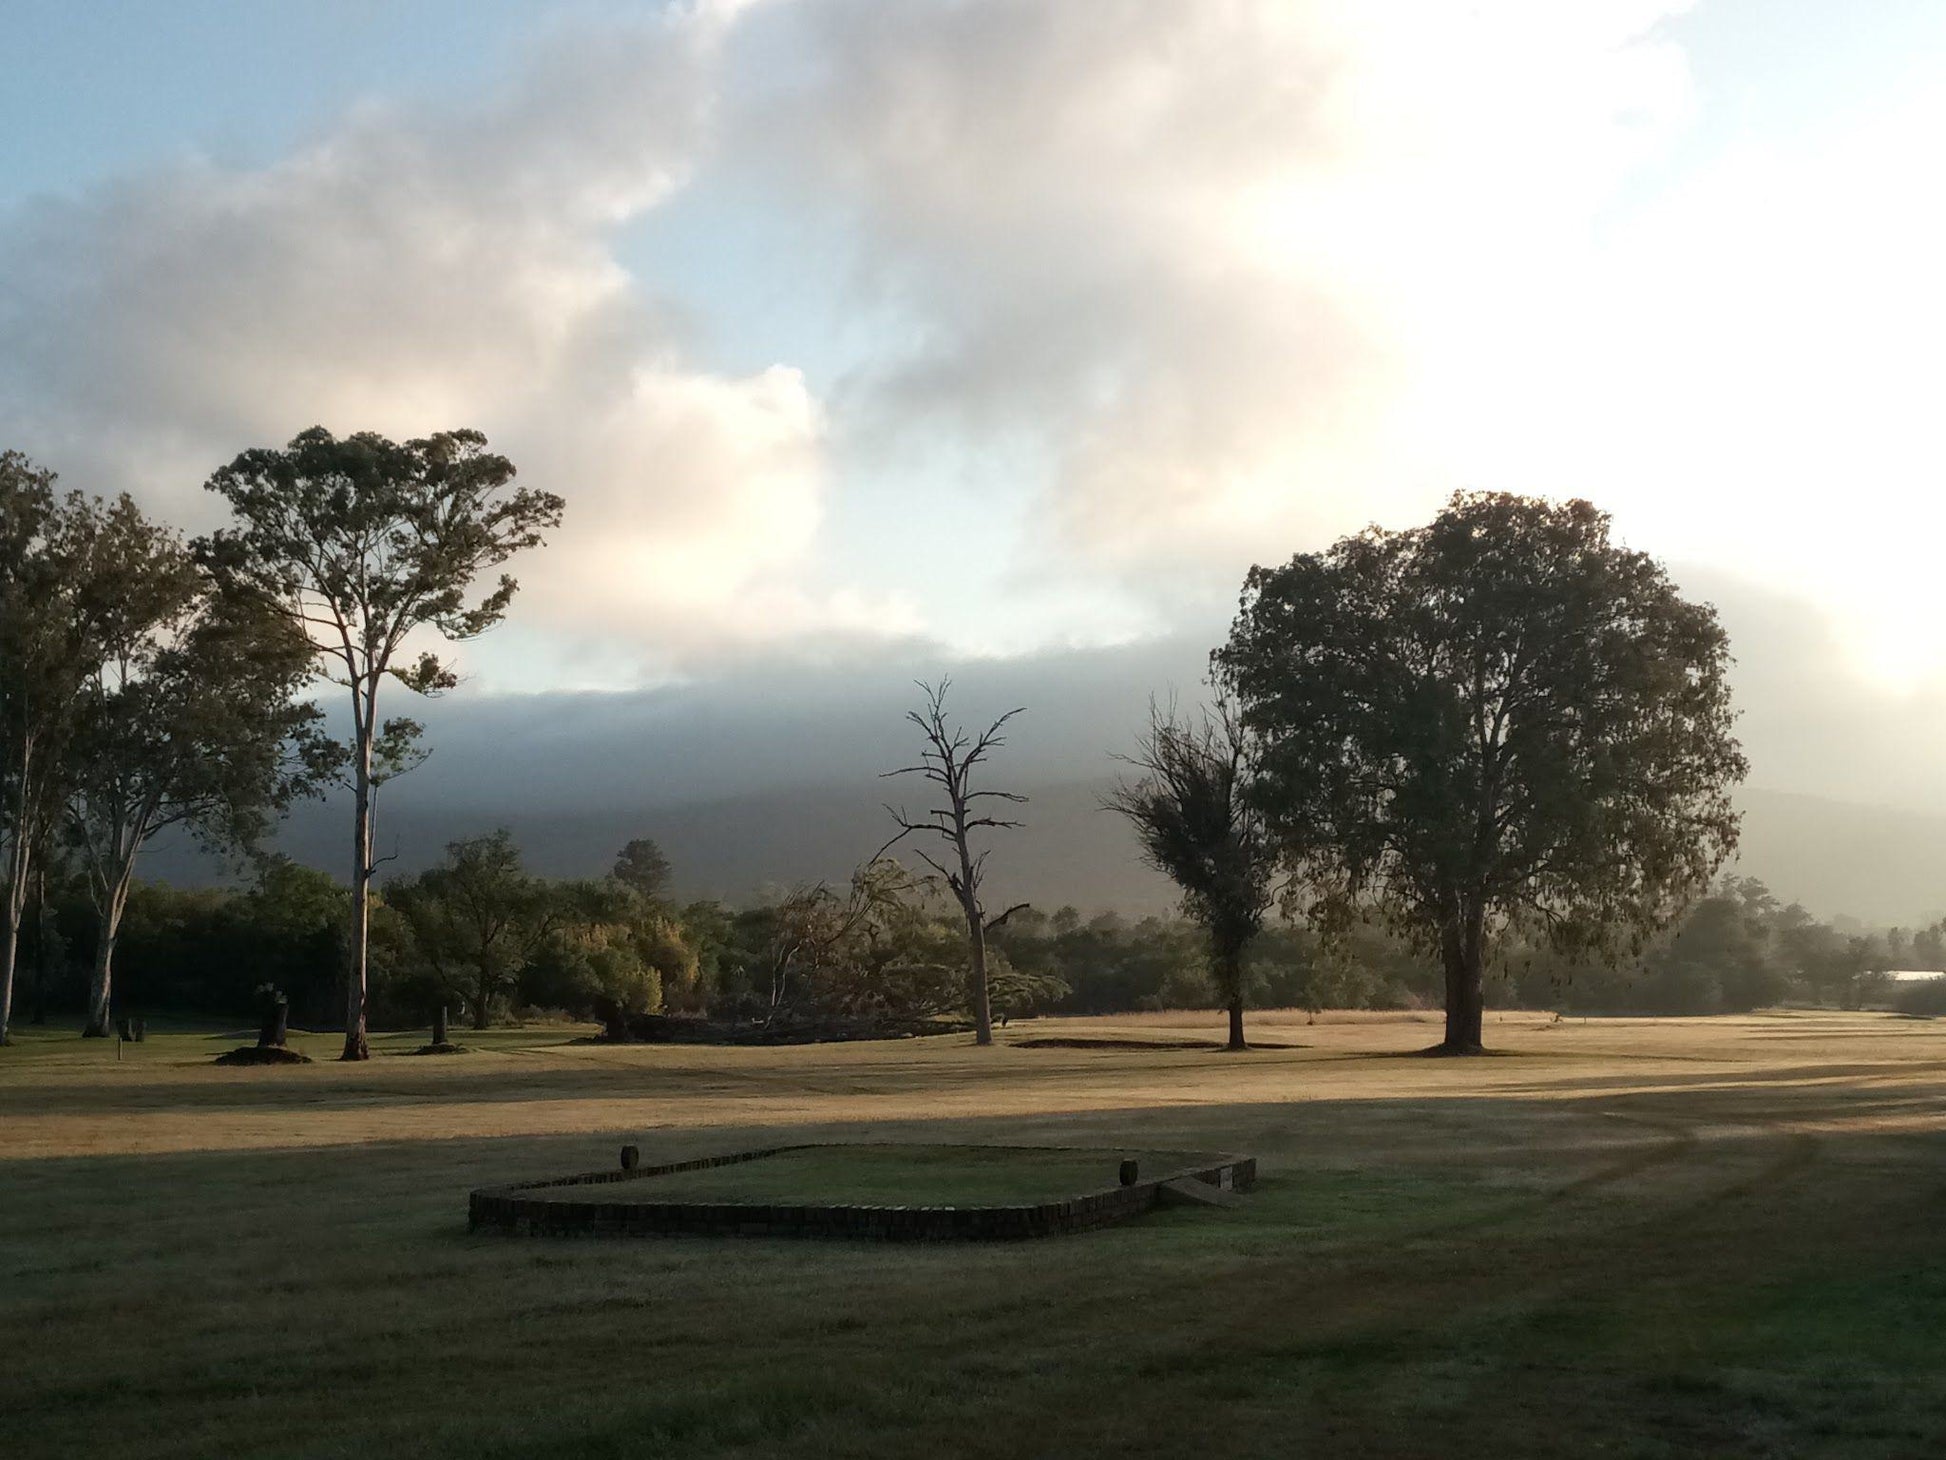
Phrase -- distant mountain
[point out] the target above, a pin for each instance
(769, 773)
(1881, 865)
(736, 847)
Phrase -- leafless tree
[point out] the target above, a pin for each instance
(949, 762)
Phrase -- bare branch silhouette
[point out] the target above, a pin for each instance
(948, 762)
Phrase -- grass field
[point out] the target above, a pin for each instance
(1635, 1238)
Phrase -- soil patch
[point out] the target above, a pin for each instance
(260, 1054)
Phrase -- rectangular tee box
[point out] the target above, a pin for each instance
(884, 1191)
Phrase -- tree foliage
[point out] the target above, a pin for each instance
(642, 866)
(1197, 823)
(486, 934)
(1499, 720)
(74, 572)
(188, 719)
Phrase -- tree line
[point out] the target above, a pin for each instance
(1498, 737)
(147, 682)
(481, 937)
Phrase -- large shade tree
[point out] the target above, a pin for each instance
(367, 546)
(1190, 806)
(1502, 718)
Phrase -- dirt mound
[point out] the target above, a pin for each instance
(263, 1054)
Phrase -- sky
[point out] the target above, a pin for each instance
(866, 335)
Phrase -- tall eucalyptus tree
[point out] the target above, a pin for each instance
(368, 547)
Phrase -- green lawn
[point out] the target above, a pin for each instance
(892, 1175)
(1623, 1238)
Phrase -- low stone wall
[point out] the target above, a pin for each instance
(515, 1209)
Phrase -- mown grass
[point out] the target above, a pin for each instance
(1708, 1237)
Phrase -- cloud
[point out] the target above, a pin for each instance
(1150, 290)
(415, 270)
(1214, 257)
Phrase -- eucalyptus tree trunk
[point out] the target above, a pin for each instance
(42, 936)
(108, 928)
(111, 872)
(9, 945)
(356, 1047)
(483, 1005)
(1229, 983)
(19, 860)
(1463, 952)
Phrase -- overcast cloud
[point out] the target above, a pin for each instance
(1022, 328)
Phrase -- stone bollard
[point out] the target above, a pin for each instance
(631, 1157)
(1129, 1172)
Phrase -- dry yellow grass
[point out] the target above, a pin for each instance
(62, 1097)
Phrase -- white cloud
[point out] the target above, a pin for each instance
(1219, 280)
(1218, 255)
(418, 271)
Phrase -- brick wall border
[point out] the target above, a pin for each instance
(511, 1209)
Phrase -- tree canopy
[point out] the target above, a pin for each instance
(642, 866)
(188, 719)
(1502, 718)
(1196, 821)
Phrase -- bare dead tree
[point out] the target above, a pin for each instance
(949, 761)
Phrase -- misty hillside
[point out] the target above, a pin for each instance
(1876, 863)
(1880, 865)
(735, 846)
